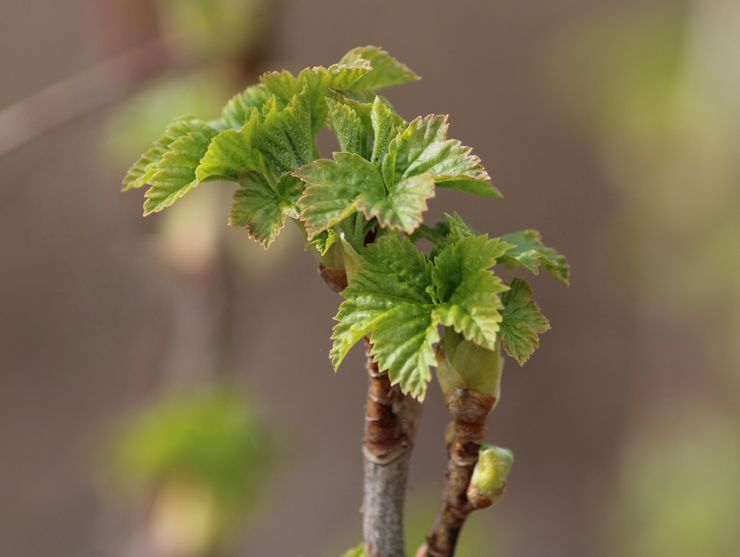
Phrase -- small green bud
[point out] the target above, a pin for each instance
(465, 365)
(489, 476)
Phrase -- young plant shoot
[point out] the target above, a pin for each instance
(361, 211)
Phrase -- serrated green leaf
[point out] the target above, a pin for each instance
(232, 154)
(140, 174)
(529, 252)
(422, 148)
(403, 343)
(175, 175)
(460, 260)
(316, 83)
(385, 123)
(402, 206)
(388, 299)
(348, 127)
(467, 291)
(285, 138)
(261, 209)
(240, 107)
(334, 188)
(522, 323)
(474, 309)
(386, 70)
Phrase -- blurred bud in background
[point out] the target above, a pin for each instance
(198, 461)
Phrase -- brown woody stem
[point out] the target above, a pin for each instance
(390, 422)
(470, 411)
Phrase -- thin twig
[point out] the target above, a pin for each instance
(470, 410)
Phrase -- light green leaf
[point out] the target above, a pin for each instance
(261, 209)
(389, 300)
(467, 291)
(348, 127)
(385, 124)
(522, 323)
(386, 70)
(284, 137)
(232, 154)
(240, 107)
(403, 343)
(458, 261)
(529, 252)
(175, 175)
(474, 309)
(140, 174)
(334, 188)
(422, 148)
(400, 208)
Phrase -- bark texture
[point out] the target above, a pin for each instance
(470, 411)
(390, 422)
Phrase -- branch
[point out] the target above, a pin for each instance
(470, 410)
(390, 422)
(78, 95)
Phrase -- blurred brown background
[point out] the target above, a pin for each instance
(612, 127)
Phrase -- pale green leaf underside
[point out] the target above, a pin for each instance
(175, 175)
(522, 323)
(348, 127)
(529, 252)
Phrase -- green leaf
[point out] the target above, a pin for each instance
(175, 175)
(261, 209)
(232, 154)
(402, 206)
(240, 107)
(529, 252)
(522, 323)
(422, 148)
(334, 188)
(386, 70)
(348, 127)
(389, 300)
(474, 309)
(467, 291)
(385, 123)
(285, 138)
(142, 171)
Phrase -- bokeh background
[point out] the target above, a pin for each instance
(165, 388)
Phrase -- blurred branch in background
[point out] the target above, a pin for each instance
(79, 94)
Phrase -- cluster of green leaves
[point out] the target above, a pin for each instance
(362, 210)
(400, 297)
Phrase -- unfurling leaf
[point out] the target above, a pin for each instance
(522, 323)
(529, 252)
(399, 299)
